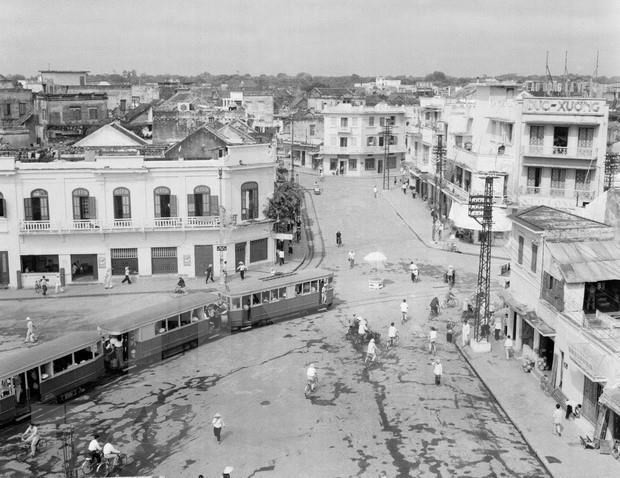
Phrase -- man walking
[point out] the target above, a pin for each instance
(438, 372)
(126, 278)
(241, 268)
(374, 190)
(338, 239)
(465, 334)
(557, 420)
(281, 256)
(351, 259)
(30, 337)
(209, 274)
(218, 424)
(508, 347)
(413, 270)
(404, 308)
(404, 188)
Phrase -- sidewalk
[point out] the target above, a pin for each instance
(530, 409)
(416, 212)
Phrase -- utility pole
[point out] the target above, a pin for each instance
(439, 151)
(221, 248)
(387, 133)
(292, 120)
(481, 209)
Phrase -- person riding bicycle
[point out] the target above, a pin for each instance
(450, 275)
(450, 297)
(180, 288)
(392, 334)
(111, 453)
(435, 306)
(432, 340)
(413, 270)
(362, 328)
(95, 449)
(31, 435)
(371, 351)
(311, 376)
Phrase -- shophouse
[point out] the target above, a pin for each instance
(54, 81)
(363, 141)
(123, 204)
(17, 122)
(306, 138)
(259, 108)
(321, 98)
(564, 302)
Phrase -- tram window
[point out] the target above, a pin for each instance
(235, 303)
(186, 318)
(297, 289)
(246, 301)
(282, 293)
(83, 355)
(6, 387)
(256, 299)
(160, 327)
(173, 322)
(266, 296)
(63, 363)
(198, 314)
(313, 286)
(46, 370)
(306, 287)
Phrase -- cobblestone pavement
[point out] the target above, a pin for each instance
(392, 417)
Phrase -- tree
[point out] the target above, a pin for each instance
(284, 205)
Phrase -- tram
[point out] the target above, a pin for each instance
(51, 371)
(161, 331)
(259, 301)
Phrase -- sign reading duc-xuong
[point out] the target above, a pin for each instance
(563, 106)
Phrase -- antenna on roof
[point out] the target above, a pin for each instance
(565, 77)
(549, 77)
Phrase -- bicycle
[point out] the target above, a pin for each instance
(109, 464)
(450, 302)
(25, 449)
(371, 362)
(89, 466)
(311, 386)
(393, 341)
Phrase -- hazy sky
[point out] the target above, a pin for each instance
(333, 37)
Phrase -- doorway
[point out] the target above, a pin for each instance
(380, 166)
(83, 267)
(342, 167)
(239, 254)
(4, 268)
(203, 257)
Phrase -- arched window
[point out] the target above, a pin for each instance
(249, 200)
(83, 205)
(122, 203)
(36, 207)
(199, 203)
(2, 206)
(165, 203)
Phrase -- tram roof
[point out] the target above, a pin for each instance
(131, 321)
(254, 284)
(17, 361)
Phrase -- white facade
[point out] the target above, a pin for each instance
(354, 139)
(79, 216)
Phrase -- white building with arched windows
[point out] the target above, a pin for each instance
(154, 211)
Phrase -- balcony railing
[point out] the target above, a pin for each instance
(559, 151)
(581, 194)
(35, 226)
(123, 224)
(85, 225)
(168, 223)
(203, 221)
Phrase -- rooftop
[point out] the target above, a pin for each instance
(64, 71)
(545, 218)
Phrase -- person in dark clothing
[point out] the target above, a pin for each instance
(209, 273)
(338, 239)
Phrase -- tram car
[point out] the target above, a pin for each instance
(161, 331)
(52, 371)
(260, 301)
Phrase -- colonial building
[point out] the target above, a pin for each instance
(303, 132)
(17, 122)
(123, 205)
(564, 301)
(321, 98)
(363, 141)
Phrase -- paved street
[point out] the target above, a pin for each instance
(358, 423)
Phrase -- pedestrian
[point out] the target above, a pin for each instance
(506, 323)
(413, 192)
(351, 259)
(30, 337)
(374, 190)
(498, 328)
(107, 280)
(508, 347)
(437, 371)
(58, 287)
(209, 274)
(126, 278)
(557, 420)
(290, 248)
(404, 188)
(281, 256)
(227, 472)
(432, 340)
(338, 239)
(44, 285)
(450, 276)
(465, 333)
(241, 268)
(404, 308)
(439, 226)
(217, 423)
(413, 270)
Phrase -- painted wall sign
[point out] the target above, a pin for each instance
(563, 106)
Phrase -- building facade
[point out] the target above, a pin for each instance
(564, 302)
(363, 141)
(121, 207)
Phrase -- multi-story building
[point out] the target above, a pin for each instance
(259, 108)
(122, 204)
(17, 124)
(363, 141)
(58, 79)
(321, 98)
(564, 302)
(306, 139)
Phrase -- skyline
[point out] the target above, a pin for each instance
(320, 37)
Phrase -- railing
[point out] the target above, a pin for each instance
(203, 221)
(584, 194)
(168, 223)
(559, 151)
(35, 226)
(123, 224)
(85, 225)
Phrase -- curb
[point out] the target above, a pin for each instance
(499, 404)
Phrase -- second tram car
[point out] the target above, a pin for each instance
(259, 301)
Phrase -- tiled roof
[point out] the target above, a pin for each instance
(332, 92)
(545, 218)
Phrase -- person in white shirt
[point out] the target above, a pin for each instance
(95, 450)
(362, 329)
(31, 435)
(508, 347)
(392, 334)
(413, 270)
(432, 338)
(438, 372)
(371, 351)
(404, 308)
(111, 453)
(311, 375)
(465, 334)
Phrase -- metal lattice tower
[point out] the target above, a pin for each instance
(481, 209)
(439, 153)
(387, 133)
(612, 166)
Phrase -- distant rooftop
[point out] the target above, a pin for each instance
(64, 71)
(545, 218)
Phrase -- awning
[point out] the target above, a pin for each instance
(503, 120)
(459, 214)
(588, 359)
(590, 261)
(611, 399)
(539, 324)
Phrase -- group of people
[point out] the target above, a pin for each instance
(107, 451)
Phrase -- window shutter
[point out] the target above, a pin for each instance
(76, 208)
(28, 209)
(157, 204)
(2, 207)
(173, 206)
(92, 207)
(126, 207)
(191, 206)
(214, 205)
(45, 216)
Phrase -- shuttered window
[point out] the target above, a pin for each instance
(258, 250)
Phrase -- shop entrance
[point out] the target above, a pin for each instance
(591, 393)
(380, 166)
(4, 267)
(83, 267)
(203, 256)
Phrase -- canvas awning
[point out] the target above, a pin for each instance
(539, 324)
(459, 214)
(591, 261)
(611, 399)
(588, 360)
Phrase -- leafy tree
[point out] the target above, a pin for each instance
(284, 205)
